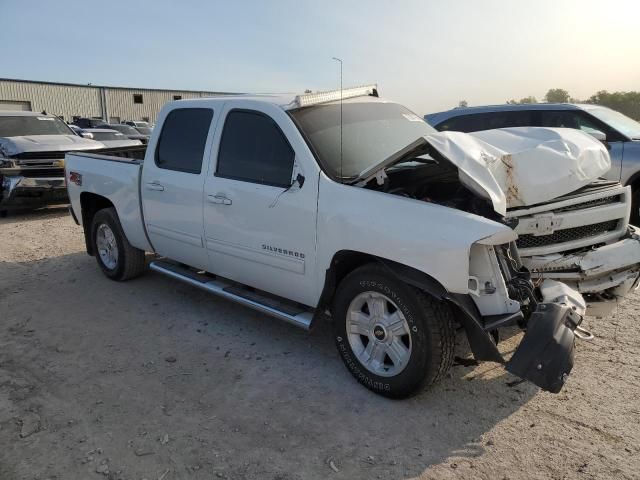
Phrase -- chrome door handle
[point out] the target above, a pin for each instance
(219, 199)
(155, 186)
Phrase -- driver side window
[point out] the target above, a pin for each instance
(254, 149)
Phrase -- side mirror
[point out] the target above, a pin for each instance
(86, 135)
(598, 135)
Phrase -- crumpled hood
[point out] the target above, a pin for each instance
(523, 166)
(46, 143)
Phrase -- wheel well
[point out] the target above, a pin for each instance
(346, 261)
(90, 204)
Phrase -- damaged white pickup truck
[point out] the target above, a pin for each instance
(343, 204)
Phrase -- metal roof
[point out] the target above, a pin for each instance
(91, 85)
(22, 113)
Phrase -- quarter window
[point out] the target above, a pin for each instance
(183, 139)
(254, 149)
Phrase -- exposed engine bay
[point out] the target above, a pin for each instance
(430, 177)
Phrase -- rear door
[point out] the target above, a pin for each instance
(172, 185)
(260, 225)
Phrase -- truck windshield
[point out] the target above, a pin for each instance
(32, 125)
(625, 125)
(371, 132)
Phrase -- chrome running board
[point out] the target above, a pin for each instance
(262, 302)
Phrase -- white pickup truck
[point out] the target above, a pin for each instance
(340, 205)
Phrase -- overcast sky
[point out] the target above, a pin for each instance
(425, 54)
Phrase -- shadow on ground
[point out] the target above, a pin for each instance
(153, 376)
(29, 215)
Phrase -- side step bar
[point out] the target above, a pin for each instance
(264, 303)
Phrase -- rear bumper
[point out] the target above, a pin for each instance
(28, 192)
(602, 275)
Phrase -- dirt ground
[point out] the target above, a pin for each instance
(152, 379)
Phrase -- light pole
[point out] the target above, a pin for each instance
(340, 61)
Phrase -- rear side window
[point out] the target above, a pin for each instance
(558, 119)
(254, 149)
(488, 121)
(183, 138)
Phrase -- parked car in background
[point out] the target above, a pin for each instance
(112, 138)
(80, 132)
(32, 148)
(620, 133)
(128, 131)
(88, 122)
(144, 130)
(137, 123)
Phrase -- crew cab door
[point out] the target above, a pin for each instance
(260, 224)
(172, 185)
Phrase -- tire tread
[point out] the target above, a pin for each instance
(134, 262)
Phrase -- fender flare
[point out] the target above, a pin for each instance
(480, 341)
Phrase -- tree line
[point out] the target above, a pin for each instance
(624, 102)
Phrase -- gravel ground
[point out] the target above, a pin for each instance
(154, 379)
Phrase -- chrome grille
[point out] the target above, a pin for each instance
(591, 203)
(566, 235)
(39, 155)
(41, 172)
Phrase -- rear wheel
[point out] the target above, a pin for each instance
(114, 254)
(393, 338)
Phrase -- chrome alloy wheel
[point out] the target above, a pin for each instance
(107, 246)
(378, 334)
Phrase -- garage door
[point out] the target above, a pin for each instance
(15, 105)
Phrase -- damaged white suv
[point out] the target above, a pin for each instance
(343, 204)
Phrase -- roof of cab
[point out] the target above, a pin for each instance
(290, 101)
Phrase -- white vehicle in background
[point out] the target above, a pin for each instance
(137, 123)
(343, 204)
(111, 138)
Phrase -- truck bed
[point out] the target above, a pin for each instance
(114, 174)
(133, 154)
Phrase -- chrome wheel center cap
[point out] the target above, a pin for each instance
(379, 332)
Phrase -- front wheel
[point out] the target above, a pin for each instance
(393, 338)
(117, 258)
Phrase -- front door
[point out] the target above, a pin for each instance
(172, 186)
(260, 223)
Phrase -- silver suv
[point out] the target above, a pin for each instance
(620, 133)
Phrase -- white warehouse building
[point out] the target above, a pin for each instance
(69, 100)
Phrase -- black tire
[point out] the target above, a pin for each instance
(431, 328)
(131, 260)
(634, 218)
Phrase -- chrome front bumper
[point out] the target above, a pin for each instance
(23, 192)
(603, 275)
